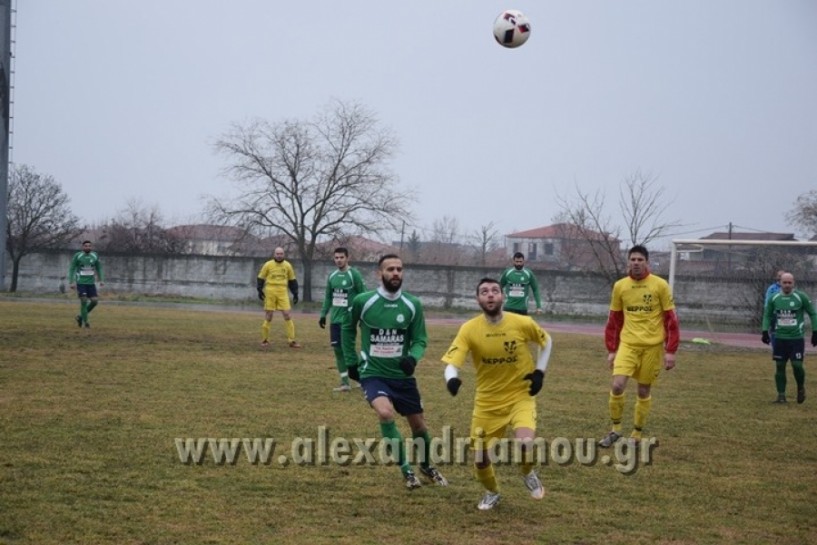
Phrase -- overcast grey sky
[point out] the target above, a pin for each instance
(717, 98)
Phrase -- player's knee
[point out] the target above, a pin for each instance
(385, 414)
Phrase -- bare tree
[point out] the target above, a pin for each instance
(804, 213)
(309, 180)
(485, 239)
(414, 245)
(139, 229)
(641, 206)
(443, 246)
(39, 217)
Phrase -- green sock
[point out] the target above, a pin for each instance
(392, 435)
(780, 377)
(91, 305)
(799, 372)
(340, 363)
(83, 310)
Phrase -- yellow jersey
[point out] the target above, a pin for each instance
(277, 275)
(643, 303)
(501, 354)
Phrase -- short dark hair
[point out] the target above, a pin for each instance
(385, 257)
(639, 249)
(87, 242)
(517, 255)
(341, 250)
(486, 280)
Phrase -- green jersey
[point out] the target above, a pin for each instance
(341, 289)
(517, 286)
(787, 313)
(84, 268)
(392, 325)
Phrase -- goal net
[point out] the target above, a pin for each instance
(725, 281)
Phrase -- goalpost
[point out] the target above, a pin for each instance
(729, 277)
(698, 245)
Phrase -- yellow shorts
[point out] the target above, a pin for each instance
(488, 425)
(641, 363)
(276, 299)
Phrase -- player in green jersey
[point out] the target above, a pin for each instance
(518, 284)
(83, 272)
(392, 340)
(342, 286)
(787, 309)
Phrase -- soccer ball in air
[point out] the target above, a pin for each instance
(511, 28)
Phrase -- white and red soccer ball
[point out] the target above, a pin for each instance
(511, 28)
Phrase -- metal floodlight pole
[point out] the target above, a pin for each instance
(5, 109)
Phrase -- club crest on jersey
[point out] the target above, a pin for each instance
(510, 347)
(645, 306)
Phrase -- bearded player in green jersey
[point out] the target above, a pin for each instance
(786, 310)
(518, 284)
(342, 286)
(84, 270)
(392, 340)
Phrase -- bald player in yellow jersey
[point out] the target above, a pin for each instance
(275, 278)
(508, 374)
(641, 335)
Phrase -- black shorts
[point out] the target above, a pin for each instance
(785, 350)
(402, 393)
(334, 334)
(86, 290)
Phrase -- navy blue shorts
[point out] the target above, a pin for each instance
(86, 290)
(402, 393)
(788, 349)
(334, 334)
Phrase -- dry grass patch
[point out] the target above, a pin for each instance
(88, 420)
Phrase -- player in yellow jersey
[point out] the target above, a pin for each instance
(508, 374)
(641, 334)
(276, 276)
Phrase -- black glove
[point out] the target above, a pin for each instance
(453, 385)
(322, 322)
(764, 336)
(353, 373)
(293, 287)
(535, 379)
(814, 338)
(407, 364)
(261, 294)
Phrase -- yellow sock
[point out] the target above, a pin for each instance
(487, 477)
(265, 331)
(527, 460)
(616, 403)
(289, 327)
(642, 410)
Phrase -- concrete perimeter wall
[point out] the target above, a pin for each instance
(579, 295)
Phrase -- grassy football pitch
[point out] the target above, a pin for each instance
(89, 422)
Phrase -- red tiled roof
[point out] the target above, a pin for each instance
(558, 230)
